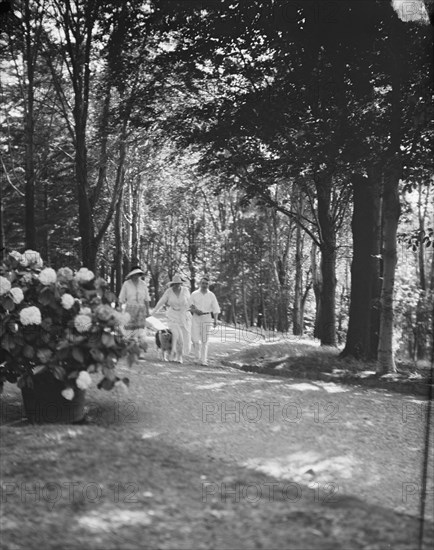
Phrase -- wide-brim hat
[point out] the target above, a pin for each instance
(176, 280)
(135, 271)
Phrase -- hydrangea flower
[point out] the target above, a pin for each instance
(31, 258)
(5, 285)
(67, 301)
(30, 316)
(84, 275)
(83, 380)
(68, 393)
(82, 323)
(47, 276)
(64, 273)
(17, 294)
(105, 312)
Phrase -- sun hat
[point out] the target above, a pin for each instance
(135, 271)
(176, 280)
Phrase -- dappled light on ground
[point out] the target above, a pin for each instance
(108, 520)
(306, 466)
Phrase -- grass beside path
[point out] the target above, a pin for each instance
(303, 358)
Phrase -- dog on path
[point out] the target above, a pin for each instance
(169, 344)
(163, 339)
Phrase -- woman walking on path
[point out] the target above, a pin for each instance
(177, 299)
(134, 297)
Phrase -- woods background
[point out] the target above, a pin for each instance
(283, 147)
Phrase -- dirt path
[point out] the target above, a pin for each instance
(215, 457)
(338, 440)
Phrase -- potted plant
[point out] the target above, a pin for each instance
(57, 328)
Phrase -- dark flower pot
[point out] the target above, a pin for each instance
(44, 402)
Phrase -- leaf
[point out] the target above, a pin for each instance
(73, 374)
(78, 355)
(46, 296)
(59, 372)
(38, 370)
(13, 327)
(97, 354)
(28, 351)
(46, 337)
(7, 342)
(8, 303)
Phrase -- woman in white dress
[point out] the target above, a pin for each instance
(134, 298)
(177, 298)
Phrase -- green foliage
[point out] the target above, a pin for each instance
(59, 323)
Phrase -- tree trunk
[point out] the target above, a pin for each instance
(376, 263)
(391, 212)
(244, 297)
(29, 220)
(297, 319)
(422, 315)
(45, 231)
(328, 263)
(155, 278)
(192, 249)
(85, 218)
(117, 260)
(317, 290)
(358, 343)
(2, 228)
(263, 310)
(135, 216)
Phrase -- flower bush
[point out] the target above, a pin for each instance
(59, 323)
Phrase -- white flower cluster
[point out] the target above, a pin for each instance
(5, 285)
(82, 322)
(64, 273)
(68, 393)
(67, 301)
(84, 275)
(17, 295)
(47, 276)
(29, 258)
(83, 380)
(30, 316)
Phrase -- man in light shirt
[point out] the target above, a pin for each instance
(204, 307)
